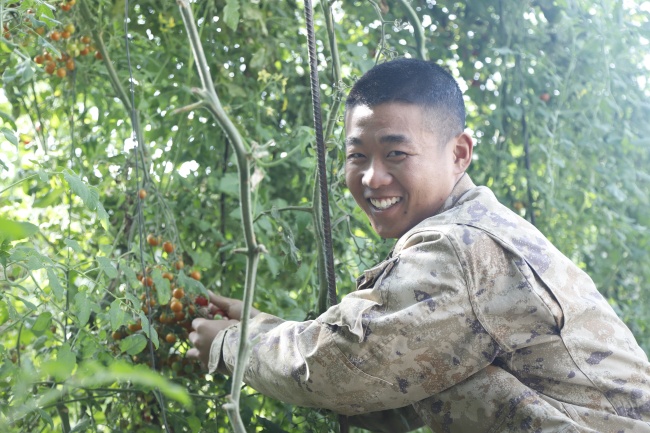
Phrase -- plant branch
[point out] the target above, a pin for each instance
(418, 32)
(336, 71)
(115, 83)
(209, 95)
(307, 209)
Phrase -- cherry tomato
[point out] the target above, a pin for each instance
(175, 306)
(168, 247)
(152, 240)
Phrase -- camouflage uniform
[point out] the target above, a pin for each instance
(475, 323)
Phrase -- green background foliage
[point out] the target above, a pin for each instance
(557, 99)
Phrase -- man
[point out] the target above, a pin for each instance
(475, 323)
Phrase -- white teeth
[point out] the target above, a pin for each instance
(384, 203)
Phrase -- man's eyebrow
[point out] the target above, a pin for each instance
(393, 138)
(353, 141)
(384, 139)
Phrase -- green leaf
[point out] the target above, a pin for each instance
(88, 194)
(270, 426)
(73, 244)
(22, 72)
(34, 262)
(231, 13)
(94, 374)
(259, 59)
(55, 284)
(194, 423)
(134, 301)
(130, 275)
(28, 304)
(46, 416)
(133, 344)
(117, 315)
(13, 230)
(49, 199)
(4, 312)
(9, 119)
(149, 331)
(107, 267)
(103, 216)
(62, 367)
(190, 284)
(82, 425)
(163, 288)
(9, 135)
(42, 323)
(201, 259)
(229, 184)
(82, 307)
(40, 342)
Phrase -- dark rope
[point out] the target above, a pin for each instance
(320, 147)
(322, 174)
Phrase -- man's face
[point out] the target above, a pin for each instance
(396, 169)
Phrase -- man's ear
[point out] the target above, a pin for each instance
(463, 148)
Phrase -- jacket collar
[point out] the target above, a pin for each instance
(463, 185)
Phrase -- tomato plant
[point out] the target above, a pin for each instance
(113, 225)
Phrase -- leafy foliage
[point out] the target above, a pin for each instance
(557, 98)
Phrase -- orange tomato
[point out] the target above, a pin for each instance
(168, 247)
(175, 306)
(152, 240)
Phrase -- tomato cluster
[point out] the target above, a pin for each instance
(28, 29)
(172, 321)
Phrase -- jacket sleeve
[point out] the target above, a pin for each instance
(400, 420)
(408, 332)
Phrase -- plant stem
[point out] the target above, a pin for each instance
(211, 99)
(418, 33)
(336, 71)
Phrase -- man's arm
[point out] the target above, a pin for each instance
(410, 334)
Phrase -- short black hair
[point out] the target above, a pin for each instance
(418, 82)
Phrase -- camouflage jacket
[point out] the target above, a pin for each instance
(475, 323)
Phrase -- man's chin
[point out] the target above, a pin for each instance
(386, 232)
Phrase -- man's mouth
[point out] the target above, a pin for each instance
(384, 203)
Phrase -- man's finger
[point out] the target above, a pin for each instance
(196, 323)
(221, 301)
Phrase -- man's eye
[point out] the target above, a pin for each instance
(397, 153)
(355, 156)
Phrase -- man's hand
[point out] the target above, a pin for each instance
(206, 330)
(232, 307)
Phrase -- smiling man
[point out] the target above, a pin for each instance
(399, 170)
(475, 323)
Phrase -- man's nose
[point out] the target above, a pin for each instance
(376, 176)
